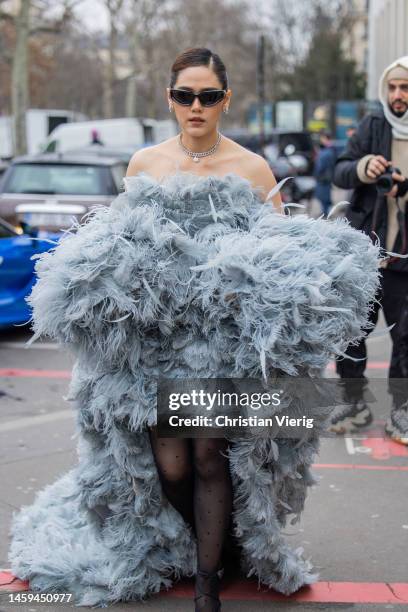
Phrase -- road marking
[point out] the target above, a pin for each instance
(36, 420)
(361, 466)
(378, 446)
(371, 365)
(49, 346)
(17, 372)
(319, 592)
(22, 373)
(349, 446)
(11, 584)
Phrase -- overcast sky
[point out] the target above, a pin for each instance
(95, 16)
(93, 13)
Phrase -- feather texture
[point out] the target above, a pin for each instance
(191, 277)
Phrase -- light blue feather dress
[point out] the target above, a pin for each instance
(192, 277)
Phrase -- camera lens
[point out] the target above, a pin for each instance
(385, 183)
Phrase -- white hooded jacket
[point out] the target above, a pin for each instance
(399, 124)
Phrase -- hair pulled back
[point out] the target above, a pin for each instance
(199, 56)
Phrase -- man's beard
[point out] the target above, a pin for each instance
(399, 113)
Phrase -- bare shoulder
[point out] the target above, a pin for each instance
(257, 170)
(139, 162)
(263, 177)
(146, 159)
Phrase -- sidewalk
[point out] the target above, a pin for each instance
(355, 525)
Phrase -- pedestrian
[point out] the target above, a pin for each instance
(192, 272)
(323, 172)
(95, 137)
(378, 209)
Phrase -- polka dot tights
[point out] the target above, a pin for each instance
(195, 477)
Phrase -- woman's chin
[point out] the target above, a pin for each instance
(196, 130)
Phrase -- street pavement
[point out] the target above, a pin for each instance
(354, 528)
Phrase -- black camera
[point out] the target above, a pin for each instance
(385, 182)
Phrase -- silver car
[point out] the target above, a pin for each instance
(54, 179)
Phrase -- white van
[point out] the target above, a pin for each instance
(39, 124)
(112, 133)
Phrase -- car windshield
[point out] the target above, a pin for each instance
(67, 179)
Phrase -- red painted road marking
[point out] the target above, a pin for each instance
(384, 448)
(371, 365)
(323, 592)
(34, 373)
(320, 592)
(356, 466)
(10, 583)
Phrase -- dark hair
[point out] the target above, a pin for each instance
(199, 56)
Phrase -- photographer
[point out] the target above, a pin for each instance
(375, 165)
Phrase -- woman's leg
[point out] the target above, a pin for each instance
(212, 498)
(174, 461)
(212, 509)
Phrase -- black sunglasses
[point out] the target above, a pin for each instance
(207, 98)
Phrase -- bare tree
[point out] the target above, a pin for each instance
(146, 21)
(158, 30)
(29, 20)
(19, 89)
(114, 8)
(72, 78)
(131, 84)
(132, 35)
(228, 29)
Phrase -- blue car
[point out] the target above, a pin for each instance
(17, 246)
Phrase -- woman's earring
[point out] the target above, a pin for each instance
(171, 108)
(226, 110)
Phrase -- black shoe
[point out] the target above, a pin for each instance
(397, 425)
(207, 588)
(346, 419)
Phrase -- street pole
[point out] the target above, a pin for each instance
(260, 86)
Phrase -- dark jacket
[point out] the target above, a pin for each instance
(324, 167)
(323, 172)
(368, 209)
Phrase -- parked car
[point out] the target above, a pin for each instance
(3, 166)
(17, 246)
(60, 179)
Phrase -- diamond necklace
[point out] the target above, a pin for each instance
(197, 155)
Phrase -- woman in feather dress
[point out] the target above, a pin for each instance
(194, 472)
(190, 272)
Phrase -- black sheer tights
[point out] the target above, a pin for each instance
(195, 477)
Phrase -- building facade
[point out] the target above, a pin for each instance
(388, 38)
(355, 40)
